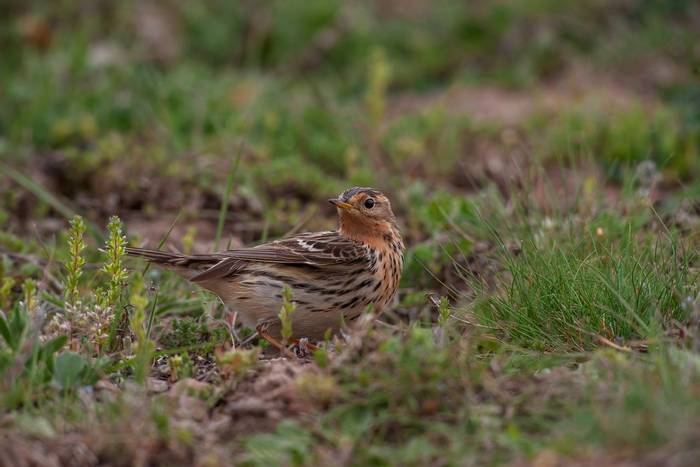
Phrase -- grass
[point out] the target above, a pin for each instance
(541, 157)
(577, 281)
(625, 137)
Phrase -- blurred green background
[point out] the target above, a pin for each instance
(144, 109)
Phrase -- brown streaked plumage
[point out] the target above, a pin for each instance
(333, 275)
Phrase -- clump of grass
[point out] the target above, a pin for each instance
(193, 335)
(585, 283)
(185, 332)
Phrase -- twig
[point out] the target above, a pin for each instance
(599, 338)
(610, 343)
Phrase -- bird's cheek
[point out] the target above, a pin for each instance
(350, 213)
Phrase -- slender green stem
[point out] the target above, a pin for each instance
(49, 198)
(225, 199)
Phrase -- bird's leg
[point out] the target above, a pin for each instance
(262, 332)
(230, 320)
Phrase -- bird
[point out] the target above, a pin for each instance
(334, 276)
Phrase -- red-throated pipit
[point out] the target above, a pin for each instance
(333, 275)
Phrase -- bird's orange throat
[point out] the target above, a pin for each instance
(375, 233)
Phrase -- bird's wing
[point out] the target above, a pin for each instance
(316, 249)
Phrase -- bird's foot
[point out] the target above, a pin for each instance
(303, 348)
(300, 348)
(263, 332)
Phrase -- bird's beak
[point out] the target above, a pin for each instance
(339, 203)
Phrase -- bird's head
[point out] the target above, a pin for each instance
(365, 213)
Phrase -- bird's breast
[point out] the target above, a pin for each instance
(388, 273)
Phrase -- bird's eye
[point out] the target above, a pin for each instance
(369, 203)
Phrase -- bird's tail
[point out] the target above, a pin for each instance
(187, 265)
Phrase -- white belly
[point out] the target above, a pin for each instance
(258, 301)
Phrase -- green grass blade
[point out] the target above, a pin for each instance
(152, 316)
(5, 332)
(49, 198)
(164, 239)
(225, 199)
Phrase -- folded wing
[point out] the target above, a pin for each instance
(314, 250)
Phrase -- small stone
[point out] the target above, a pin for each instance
(546, 458)
(191, 387)
(156, 385)
(249, 405)
(107, 386)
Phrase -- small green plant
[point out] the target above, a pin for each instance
(74, 266)
(181, 367)
(26, 364)
(288, 307)
(443, 311)
(29, 291)
(193, 335)
(13, 328)
(5, 290)
(236, 361)
(186, 332)
(115, 250)
(71, 370)
(144, 347)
